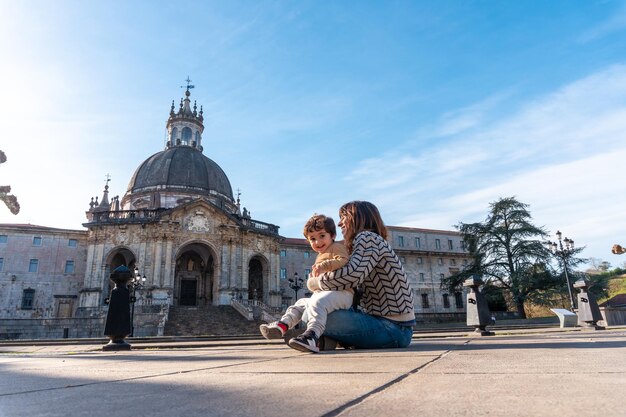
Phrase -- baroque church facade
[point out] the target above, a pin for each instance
(182, 229)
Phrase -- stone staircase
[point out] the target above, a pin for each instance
(208, 320)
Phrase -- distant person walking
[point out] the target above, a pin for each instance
(386, 317)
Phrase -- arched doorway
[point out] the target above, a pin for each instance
(117, 257)
(255, 279)
(194, 275)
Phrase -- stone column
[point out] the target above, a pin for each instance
(168, 279)
(157, 279)
(89, 267)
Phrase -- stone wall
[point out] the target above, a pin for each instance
(51, 328)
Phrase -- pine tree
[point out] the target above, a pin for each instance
(508, 252)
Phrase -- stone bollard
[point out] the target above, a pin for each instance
(478, 314)
(588, 310)
(117, 326)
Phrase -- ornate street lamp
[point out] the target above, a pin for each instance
(296, 283)
(135, 284)
(564, 252)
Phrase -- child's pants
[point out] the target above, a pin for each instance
(317, 308)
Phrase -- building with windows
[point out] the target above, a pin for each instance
(180, 226)
(41, 274)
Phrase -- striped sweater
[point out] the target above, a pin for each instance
(375, 267)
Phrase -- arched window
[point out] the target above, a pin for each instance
(197, 138)
(186, 136)
(173, 135)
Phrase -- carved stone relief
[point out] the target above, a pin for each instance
(197, 222)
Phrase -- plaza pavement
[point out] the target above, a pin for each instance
(548, 372)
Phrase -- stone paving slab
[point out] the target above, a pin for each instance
(549, 374)
(576, 375)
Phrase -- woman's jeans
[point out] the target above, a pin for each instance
(362, 331)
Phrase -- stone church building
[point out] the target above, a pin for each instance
(180, 227)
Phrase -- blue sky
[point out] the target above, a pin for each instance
(429, 109)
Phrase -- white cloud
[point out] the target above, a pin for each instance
(561, 153)
(464, 119)
(614, 23)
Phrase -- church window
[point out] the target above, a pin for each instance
(28, 296)
(417, 242)
(425, 303)
(174, 134)
(72, 243)
(450, 244)
(197, 138)
(421, 277)
(37, 241)
(437, 244)
(283, 253)
(33, 265)
(69, 267)
(400, 241)
(186, 135)
(307, 254)
(283, 273)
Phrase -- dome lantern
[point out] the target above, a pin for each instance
(185, 127)
(181, 172)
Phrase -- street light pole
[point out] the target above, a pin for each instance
(135, 284)
(563, 252)
(296, 284)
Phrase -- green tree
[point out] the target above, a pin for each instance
(507, 250)
(9, 200)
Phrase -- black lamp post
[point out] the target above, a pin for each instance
(296, 284)
(135, 284)
(564, 252)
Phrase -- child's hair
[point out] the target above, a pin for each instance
(320, 222)
(358, 216)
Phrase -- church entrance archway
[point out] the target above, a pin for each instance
(255, 279)
(193, 282)
(119, 256)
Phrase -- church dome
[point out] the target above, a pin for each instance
(180, 173)
(182, 169)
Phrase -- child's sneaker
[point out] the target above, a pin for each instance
(306, 342)
(275, 330)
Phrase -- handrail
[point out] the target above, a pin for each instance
(242, 309)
